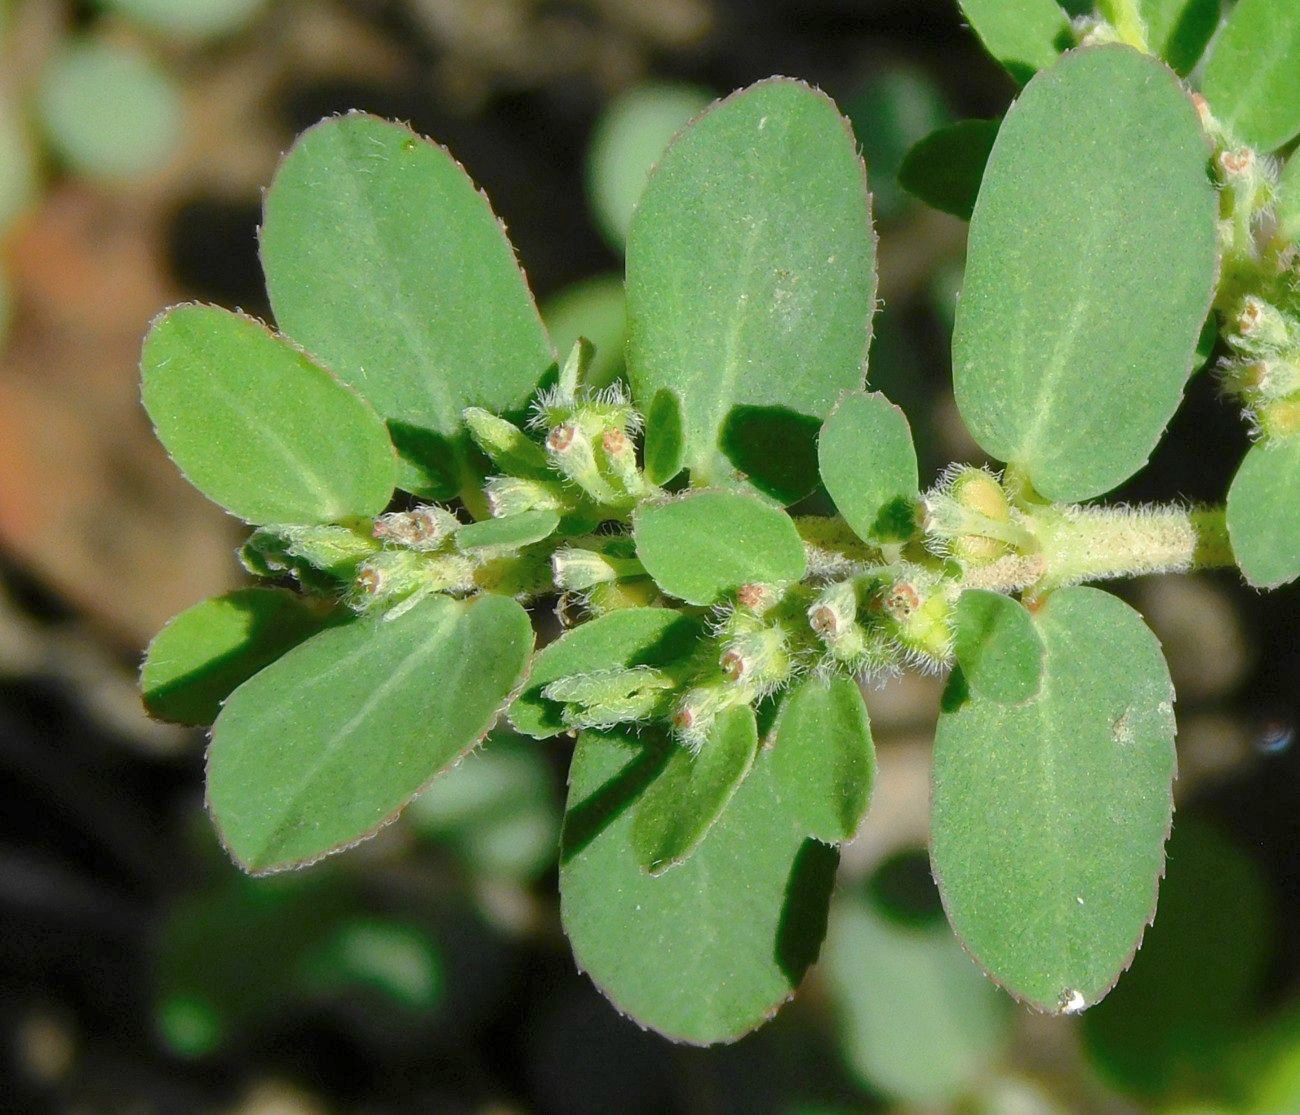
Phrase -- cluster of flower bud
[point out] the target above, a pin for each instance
(1263, 368)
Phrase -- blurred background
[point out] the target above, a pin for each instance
(426, 971)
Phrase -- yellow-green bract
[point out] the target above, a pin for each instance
(1065, 800)
(1092, 261)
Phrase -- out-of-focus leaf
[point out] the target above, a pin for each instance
(109, 110)
(1092, 261)
(326, 745)
(190, 19)
(756, 329)
(385, 262)
(595, 309)
(1170, 1026)
(17, 166)
(629, 139)
(945, 168)
(206, 652)
(709, 950)
(1050, 816)
(496, 809)
(700, 546)
(1252, 78)
(256, 426)
(917, 1019)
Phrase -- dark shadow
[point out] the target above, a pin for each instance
(775, 448)
(587, 819)
(432, 453)
(956, 693)
(807, 902)
(896, 521)
(902, 889)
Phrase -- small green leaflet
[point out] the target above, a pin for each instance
(1252, 78)
(756, 328)
(510, 532)
(868, 465)
(325, 746)
(630, 637)
(256, 426)
(385, 262)
(1063, 802)
(823, 759)
(945, 169)
(1090, 270)
(665, 436)
(703, 545)
(1024, 35)
(206, 652)
(680, 806)
(997, 647)
(1264, 513)
(705, 952)
(1180, 30)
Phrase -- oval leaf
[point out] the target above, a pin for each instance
(1050, 817)
(681, 805)
(256, 426)
(868, 465)
(724, 303)
(1264, 513)
(1252, 79)
(510, 532)
(630, 637)
(1091, 266)
(997, 647)
(1180, 30)
(703, 545)
(708, 951)
(823, 758)
(324, 747)
(1024, 35)
(385, 262)
(945, 169)
(206, 652)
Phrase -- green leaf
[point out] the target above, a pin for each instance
(256, 426)
(917, 1021)
(1264, 513)
(1252, 78)
(109, 110)
(823, 759)
(510, 532)
(657, 637)
(629, 139)
(1049, 817)
(945, 169)
(756, 329)
(597, 310)
(497, 810)
(700, 546)
(384, 261)
(665, 436)
(689, 795)
(1288, 201)
(1024, 35)
(1091, 266)
(1180, 30)
(190, 19)
(705, 952)
(206, 652)
(325, 746)
(868, 465)
(1168, 1027)
(997, 647)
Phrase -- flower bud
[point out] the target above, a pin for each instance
(425, 528)
(604, 698)
(509, 495)
(575, 568)
(506, 445)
